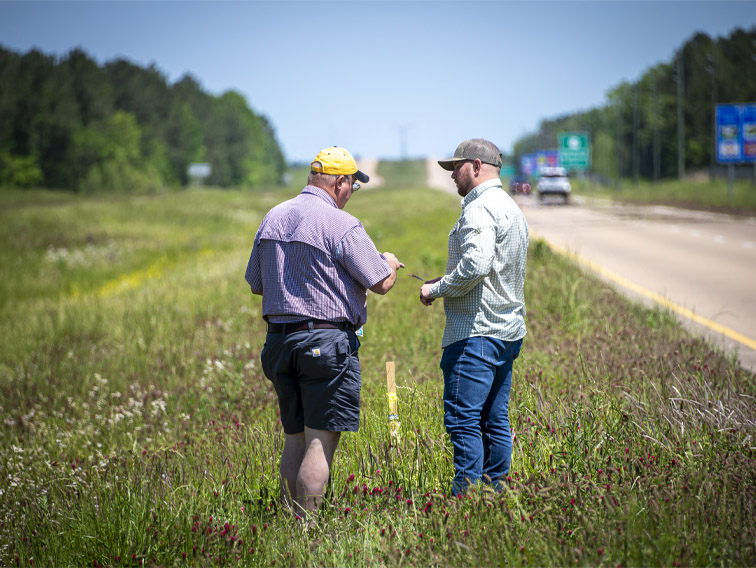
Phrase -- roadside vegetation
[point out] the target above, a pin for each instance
(689, 194)
(139, 430)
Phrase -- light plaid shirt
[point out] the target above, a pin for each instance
(483, 289)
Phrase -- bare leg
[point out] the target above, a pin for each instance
(316, 468)
(291, 460)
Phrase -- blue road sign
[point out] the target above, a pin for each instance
(736, 133)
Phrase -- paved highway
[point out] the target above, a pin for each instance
(700, 265)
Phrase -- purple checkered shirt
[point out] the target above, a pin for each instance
(312, 260)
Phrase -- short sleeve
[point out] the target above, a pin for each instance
(358, 255)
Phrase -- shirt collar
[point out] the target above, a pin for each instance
(321, 193)
(478, 190)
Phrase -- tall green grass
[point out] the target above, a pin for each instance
(694, 194)
(138, 429)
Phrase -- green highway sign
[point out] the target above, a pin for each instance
(574, 150)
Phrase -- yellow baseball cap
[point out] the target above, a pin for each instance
(337, 161)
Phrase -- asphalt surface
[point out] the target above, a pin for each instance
(700, 265)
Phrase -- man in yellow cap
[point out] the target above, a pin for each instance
(313, 264)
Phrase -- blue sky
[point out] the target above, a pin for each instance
(384, 79)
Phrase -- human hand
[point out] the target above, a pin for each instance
(425, 298)
(394, 262)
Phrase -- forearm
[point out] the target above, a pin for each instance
(387, 283)
(459, 282)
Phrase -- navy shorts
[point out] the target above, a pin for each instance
(316, 374)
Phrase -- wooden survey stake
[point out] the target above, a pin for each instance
(393, 401)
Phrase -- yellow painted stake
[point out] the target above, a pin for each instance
(393, 401)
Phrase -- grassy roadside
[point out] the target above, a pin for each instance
(138, 428)
(688, 194)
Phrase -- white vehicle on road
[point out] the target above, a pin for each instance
(553, 181)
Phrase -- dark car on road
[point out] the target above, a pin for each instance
(519, 184)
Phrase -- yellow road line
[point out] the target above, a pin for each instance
(685, 312)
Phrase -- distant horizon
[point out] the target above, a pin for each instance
(385, 79)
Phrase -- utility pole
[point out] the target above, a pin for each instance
(403, 142)
(619, 144)
(680, 119)
(636, 159)
(657, 164)
(712, 68)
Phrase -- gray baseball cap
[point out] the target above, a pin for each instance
(474, 149)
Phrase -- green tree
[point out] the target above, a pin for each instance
(122, 127)
(111, 153)
(19, 171)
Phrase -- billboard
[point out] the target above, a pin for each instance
(528, 164)
(736, 133)
(547, 158)
(531, 164)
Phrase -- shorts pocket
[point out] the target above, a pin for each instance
(265, 362)
(324, 360)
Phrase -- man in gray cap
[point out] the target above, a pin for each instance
(484, 301)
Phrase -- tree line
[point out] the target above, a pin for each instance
(70, 123)
(662, 125)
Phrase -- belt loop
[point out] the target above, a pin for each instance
(283, 329)
(310, 326)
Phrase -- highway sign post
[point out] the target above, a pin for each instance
(507, 171)
(736, 137)
(198, 172)
(574, 150)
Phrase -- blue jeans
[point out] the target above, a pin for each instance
(477, 382)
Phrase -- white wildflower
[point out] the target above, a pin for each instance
(158, 406)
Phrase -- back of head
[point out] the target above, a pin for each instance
(318, 179)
